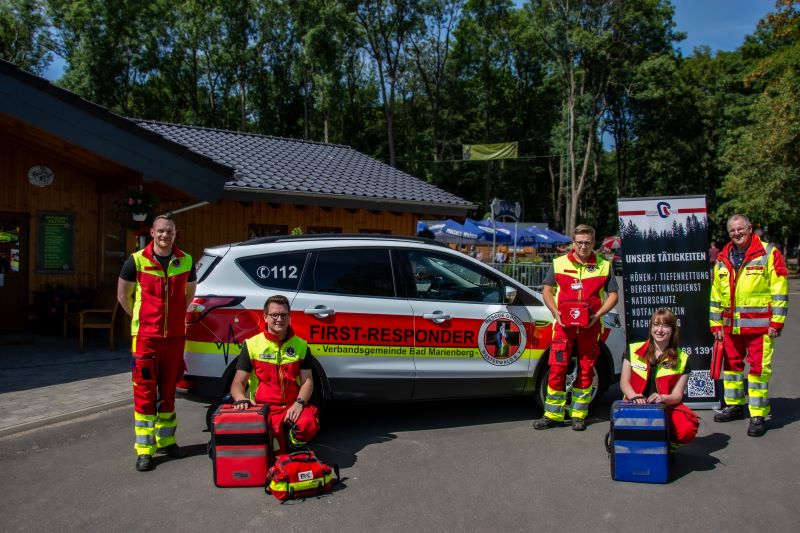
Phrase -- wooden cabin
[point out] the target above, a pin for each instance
(68, 167)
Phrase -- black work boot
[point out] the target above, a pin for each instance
(545, 423)
(578, 424)
(144, 462)
(757, 427)
(730, 412)
(174, 451)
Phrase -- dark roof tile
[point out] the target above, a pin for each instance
(275, 163)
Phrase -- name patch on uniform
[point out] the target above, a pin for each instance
(755, 267)
(577, 286)
(637, 365)
(570, 271)
(266, 356)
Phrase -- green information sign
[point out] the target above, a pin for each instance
(56, 243)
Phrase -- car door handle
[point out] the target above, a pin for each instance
(436, 316)
(320, 310)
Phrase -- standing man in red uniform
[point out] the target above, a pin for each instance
(584, 276)
(155, 287)
(749, 304)
(277, 366)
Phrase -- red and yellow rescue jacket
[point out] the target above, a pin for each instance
(754, 298)
(159, 308)
(591, 278)
(275, 378)
(666, 378)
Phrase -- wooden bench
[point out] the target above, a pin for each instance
(102, 314)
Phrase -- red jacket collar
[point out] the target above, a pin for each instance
(642, 350)
(274, 338)
(151, 255)
(756, 249)
(591, 261)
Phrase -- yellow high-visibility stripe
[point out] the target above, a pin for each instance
(283, 486)
(203, 347)
(365, 350)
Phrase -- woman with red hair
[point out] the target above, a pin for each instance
(656, 371)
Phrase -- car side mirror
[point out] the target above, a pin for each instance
(511, 294)
(611, 320)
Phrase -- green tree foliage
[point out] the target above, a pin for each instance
(764, 155)
(592, 48)
(24, 36)
(600, 102)
(112, 47)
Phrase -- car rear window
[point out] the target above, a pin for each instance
(205, 265)
(357, 272)
(275, 271)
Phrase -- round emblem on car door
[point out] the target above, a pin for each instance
(502, 338)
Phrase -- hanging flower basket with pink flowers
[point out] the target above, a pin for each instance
(137, 209)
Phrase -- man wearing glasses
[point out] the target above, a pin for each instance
(580, 278)
(749, 303)
(276, 364)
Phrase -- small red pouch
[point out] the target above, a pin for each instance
(574, 312)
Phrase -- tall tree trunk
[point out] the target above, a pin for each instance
(487, 184)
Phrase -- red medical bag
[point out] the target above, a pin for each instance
(298, 475)
(239, 446)
(574, 312)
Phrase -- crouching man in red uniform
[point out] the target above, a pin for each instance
(276, 364)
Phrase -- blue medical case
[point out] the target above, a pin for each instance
(638, 443)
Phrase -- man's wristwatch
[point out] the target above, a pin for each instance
(300, 401)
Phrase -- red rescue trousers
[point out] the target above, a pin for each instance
(757, 351)
(683, 424)
(305, 427)
(585, 340)
(564, 338)
(156, 366)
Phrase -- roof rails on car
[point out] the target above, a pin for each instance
(334, 236)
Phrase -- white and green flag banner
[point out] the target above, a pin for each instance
(479, 152)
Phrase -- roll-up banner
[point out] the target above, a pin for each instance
(665, 264)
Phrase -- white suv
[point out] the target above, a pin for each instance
(386, 319)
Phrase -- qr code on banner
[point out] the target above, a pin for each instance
(701, 385)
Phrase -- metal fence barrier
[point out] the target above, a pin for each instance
(530, 274)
